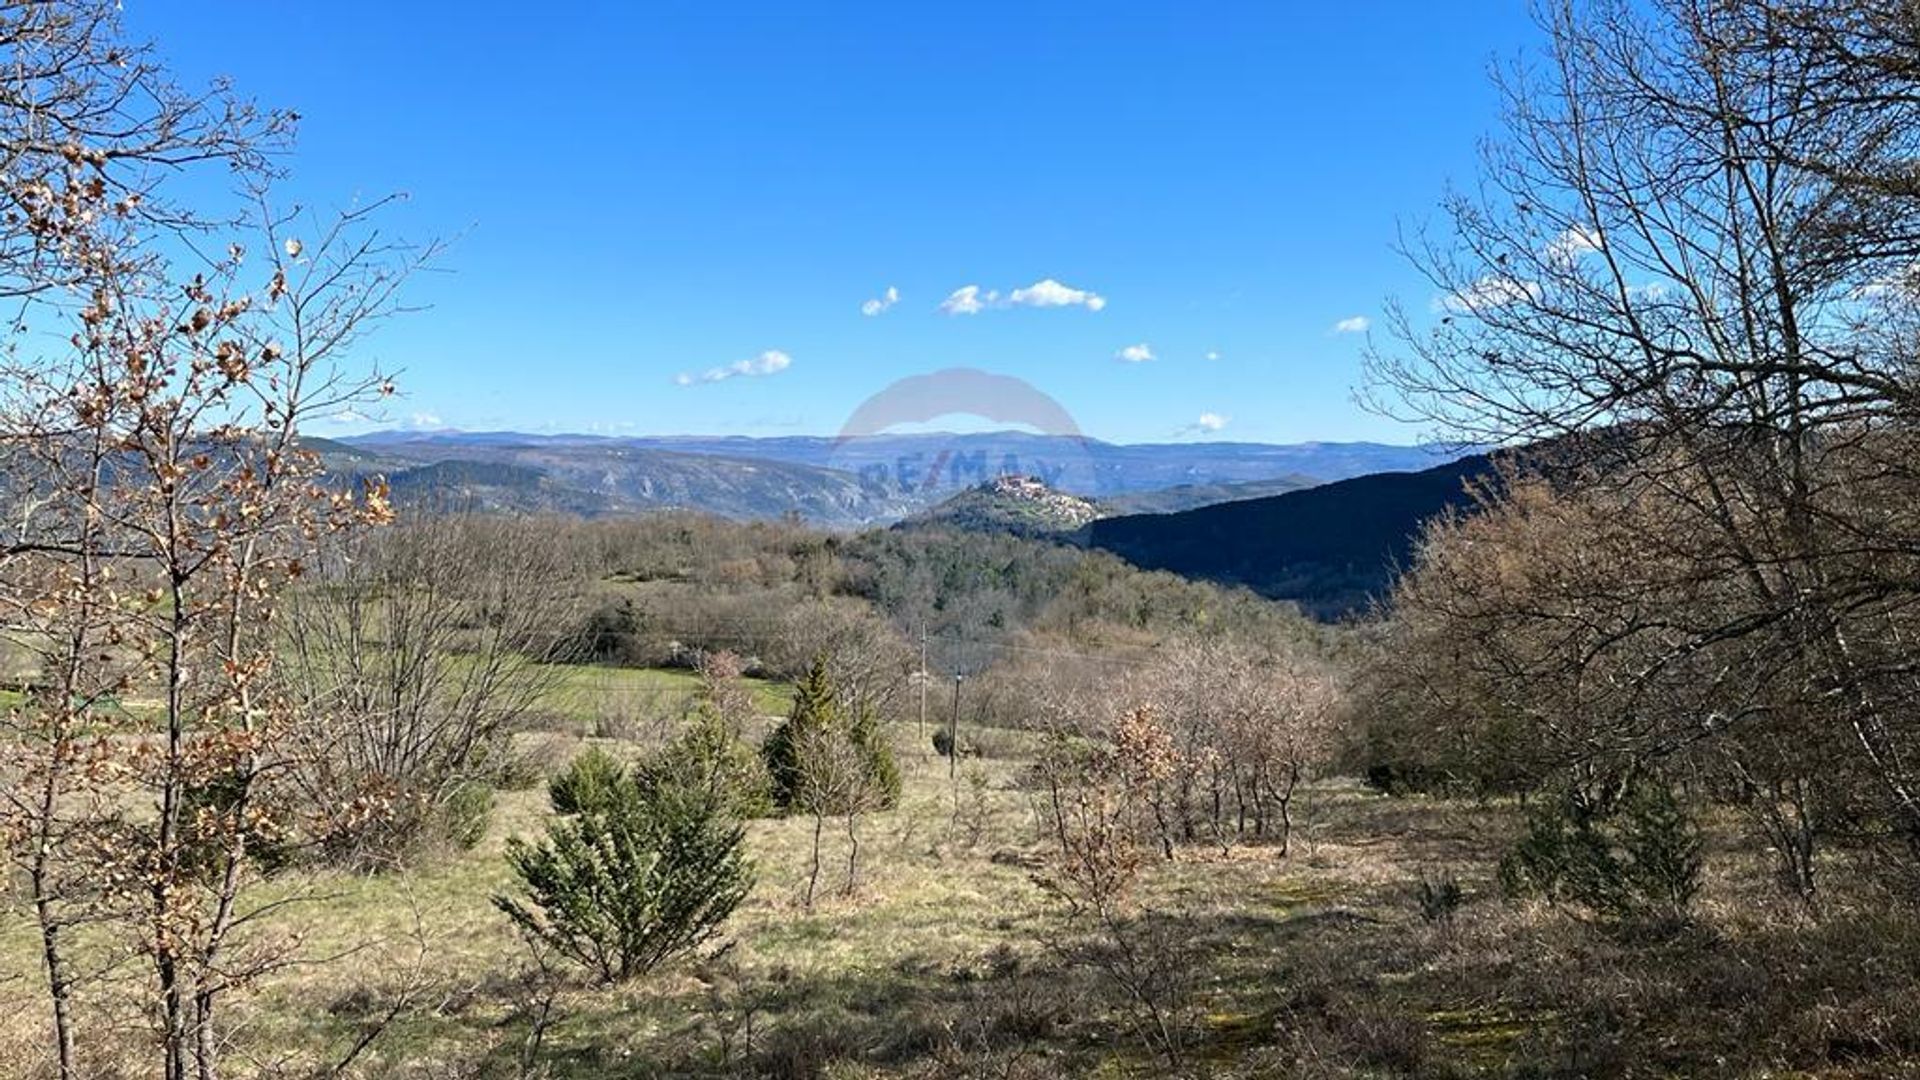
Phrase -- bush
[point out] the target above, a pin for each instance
(1662, 849)
(593, 782)
(627, 882)
(882, 771)
(464, 813)
(208, 810)
(1439, 896)
(711, 764)
(1639, 862)
(609, 634)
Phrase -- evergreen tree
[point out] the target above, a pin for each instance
(816, 729)
(815, 710)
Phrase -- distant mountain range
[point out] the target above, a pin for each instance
(598, 479)
(832, 483)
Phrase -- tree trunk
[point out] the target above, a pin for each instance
(813, 874)
(853, 851)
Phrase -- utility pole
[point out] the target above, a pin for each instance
(953, 731)
(923, 688)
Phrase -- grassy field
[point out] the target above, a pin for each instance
(601, 699)
(947, 959)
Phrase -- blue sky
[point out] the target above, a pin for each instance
(641, 191)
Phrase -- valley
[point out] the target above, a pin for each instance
(1423, 583)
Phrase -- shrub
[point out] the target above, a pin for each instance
(209, 811)
(628, 882)
(1639, 862)
(1662, 846)
(1439, 896)
(710, 761)
(464, 813)
(592, 782)
(882, 771)
(711, 764)
(609, 633)
(1562, 857)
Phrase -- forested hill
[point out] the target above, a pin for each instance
(1331, 549)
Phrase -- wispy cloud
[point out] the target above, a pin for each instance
(1213, 354)
(1356, 324)
(1208, 423)
(771, 362)
(1046, 293)
(880, 303)
(1135, 354)
(345, 416)
(968, 300)
(1572, 243)
(1488, 294)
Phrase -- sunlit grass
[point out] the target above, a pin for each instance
(585, 692)
(947, 934)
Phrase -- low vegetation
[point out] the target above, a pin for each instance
(631, 875)
(1618, 780)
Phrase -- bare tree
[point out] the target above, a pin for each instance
(1689, 266)
(1097, 802)
(424, 646)
(869, 661)
(159, 500)
(1545, 642)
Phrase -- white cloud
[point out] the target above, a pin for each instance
(1213, 354)
(968, 300)
(1356, 324)
(424, 420)
(1050, 293)
(1488, 294)
(1135, 354)
(346, 416)
(1574, 242)
(771, 362)
(1210, 421)
(1046, 293)
(883, 302)
(1901, 283)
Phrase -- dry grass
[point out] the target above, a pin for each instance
(947, 960)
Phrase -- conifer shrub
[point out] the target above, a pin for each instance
(628, 878)
(1638, 860)
(591, 782)
(709, 762)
